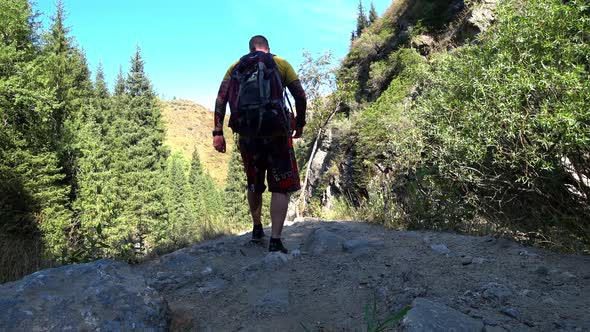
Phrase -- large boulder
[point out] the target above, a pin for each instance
(103, 295)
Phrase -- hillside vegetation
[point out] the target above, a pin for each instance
(450, 117)
(88, 173)
(188, 126)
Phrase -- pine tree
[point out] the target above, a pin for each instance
(120, 86)
(100, 86)
(196, 186)
(361, 20)
(373, 16)
(182, 228)
(236, 200)
(32, 194)
(137, 82)
(138, 162)
(67, 73)
(206, 199)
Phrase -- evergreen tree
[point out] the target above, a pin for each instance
(181, 228)
(207, 199)
(197, 186)
(361, 19)
(138, 160)
(373, 16)
(236, 200)
(32, 194)
(100, 86)
(66, 72)
(137, 82)
(120, 83)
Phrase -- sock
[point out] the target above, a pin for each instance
(258, 227)
(273, 240)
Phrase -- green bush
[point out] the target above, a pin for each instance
(501, 118)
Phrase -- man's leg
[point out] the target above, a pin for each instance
(278, 211)
(255, 203)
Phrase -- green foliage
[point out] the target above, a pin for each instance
(207, 201)
(373, 16)
(503, 136)
(120, 83)
(361, 19)
(100, 86)
(492, 137)
(236, 200)
(83, 175)
(373, 322)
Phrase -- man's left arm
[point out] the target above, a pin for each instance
(296, 90)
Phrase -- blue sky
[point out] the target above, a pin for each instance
(189, 44)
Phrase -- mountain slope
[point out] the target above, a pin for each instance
(189, 126)
(466, 116)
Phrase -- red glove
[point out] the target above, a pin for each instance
(219, 143)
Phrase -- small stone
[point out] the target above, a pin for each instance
(357, 247)
(207, 270)
(569, 276)
(295, 253)
(496, 292)
(440, 248)
(162, 275)
(478, 260)
(542, 270)
(466, 260)
(527, 253)
(510, 312)
(549, 301)
(275, 300)
(274, 260)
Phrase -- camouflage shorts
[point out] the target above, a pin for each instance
(272, 157)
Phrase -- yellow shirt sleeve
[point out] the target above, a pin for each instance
(228, 72)
(288, 74)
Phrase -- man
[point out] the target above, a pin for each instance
(263, 153)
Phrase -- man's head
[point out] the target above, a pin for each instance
(259, 43)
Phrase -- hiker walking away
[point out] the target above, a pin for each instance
(254, 88)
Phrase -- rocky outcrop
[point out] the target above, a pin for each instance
(482, 16)
(339, 276)
(101, 296)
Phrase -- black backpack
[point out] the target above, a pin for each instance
(256, 97)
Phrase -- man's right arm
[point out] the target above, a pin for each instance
(220, 106)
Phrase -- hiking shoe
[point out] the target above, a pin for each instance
(277, 245)
(257, 233)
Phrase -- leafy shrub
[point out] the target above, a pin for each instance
(501, 118)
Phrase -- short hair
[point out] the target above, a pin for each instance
(258, 41)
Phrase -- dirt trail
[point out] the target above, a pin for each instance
(336, 269)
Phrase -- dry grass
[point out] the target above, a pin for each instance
(19, 255)
(189, 125)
